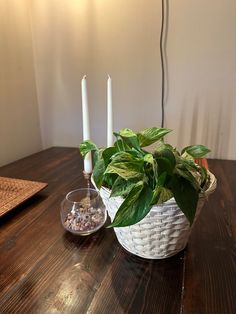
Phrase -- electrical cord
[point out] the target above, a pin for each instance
(162, 63)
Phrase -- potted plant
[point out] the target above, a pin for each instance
(153, 197)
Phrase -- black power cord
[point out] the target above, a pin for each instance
(162, 63)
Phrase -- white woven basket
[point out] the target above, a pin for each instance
(162, 233)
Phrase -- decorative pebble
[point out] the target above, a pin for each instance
(84, 219)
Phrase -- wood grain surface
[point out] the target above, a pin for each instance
(44, 269)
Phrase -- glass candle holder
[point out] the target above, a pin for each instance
(83, 211)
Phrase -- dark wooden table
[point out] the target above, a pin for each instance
(44, 269)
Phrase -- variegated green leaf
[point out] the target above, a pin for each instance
(121, 187)
(165, 161)
(151, 135)
(135, 206)
(196, 151)
(185, 195)
(161, 195)
(98, 172)
(108, 153)
(87, 146)
(126, 170)
(130, 138)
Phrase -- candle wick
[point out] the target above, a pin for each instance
(84, 77)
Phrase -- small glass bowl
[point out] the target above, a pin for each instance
(83, 211)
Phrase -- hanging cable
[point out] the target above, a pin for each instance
(162, 63)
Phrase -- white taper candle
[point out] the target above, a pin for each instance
(86, 127)
(109, 113)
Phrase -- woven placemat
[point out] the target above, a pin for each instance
(15, 191)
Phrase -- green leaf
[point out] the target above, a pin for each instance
(161, 179)
(109, 179)
(107, 154)
(185, 196)
(165, 160)
(188, 176)
(161, 195)
(98, 172)
(87, 146)
(97, 155)
(151, 135)
(121, 145)
(127, 133)
(150, 170)
(149, 159)
(188, 164)
(135, 206)
(130, 138)
(161, 146)
(121, 187)
(137, 153)
(196, 151)
(126, 170)
(186, 156)
(124, 156)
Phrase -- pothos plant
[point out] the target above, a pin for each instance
(144, 178)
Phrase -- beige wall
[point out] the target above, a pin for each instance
(201, 49)
(96, 37)
(73, 38)
(19, 118)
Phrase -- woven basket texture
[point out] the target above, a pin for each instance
(162, 233)
(15, 191)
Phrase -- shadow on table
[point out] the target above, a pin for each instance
(148, 286)
(83, 243)
(22, 209)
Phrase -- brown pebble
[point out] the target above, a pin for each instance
(84, 219)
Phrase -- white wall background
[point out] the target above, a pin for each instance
(19, 118)
(201, 50)
(73, 38)
(96, 37)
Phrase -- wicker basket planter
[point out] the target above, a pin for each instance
(139, 178)
(162, 233)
